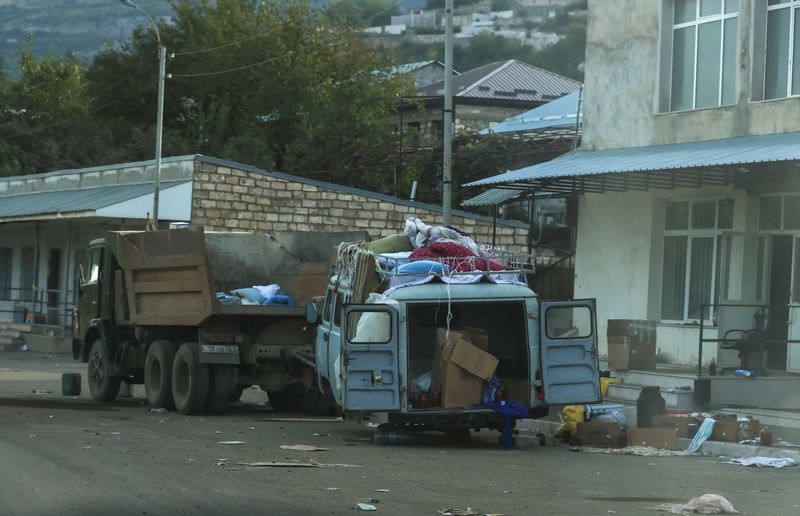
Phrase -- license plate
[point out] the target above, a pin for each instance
(219, 348)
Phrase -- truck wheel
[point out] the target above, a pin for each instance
(219, 388)
(235, 394)
(189, 380)
(316, 403)
(103, 386)
(285, 400)
(158, 374)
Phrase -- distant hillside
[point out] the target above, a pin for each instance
(82, 26)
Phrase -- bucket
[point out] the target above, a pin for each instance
(71, 384)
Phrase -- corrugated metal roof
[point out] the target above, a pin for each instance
(561, 112)
(493, 197)
(507, 80)
(585, 164)
(74, 201)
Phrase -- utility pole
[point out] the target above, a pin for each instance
(162, 58)
(447, 137)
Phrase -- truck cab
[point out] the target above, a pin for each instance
(380, 357)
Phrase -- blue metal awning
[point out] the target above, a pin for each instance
(715, 162)
(561, 113)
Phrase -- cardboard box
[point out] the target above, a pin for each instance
(728, 429)
(478, 337)
(459, 388)
(662, 438)
(631, 344)
(460, 350)
(593, 432)
(677, 421)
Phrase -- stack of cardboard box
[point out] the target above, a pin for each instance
(461, 366)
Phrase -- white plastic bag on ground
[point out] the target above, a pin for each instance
(703, 433)
(765, 462)
(705, 504)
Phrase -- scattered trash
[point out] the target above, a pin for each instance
(115, 433)
(641, 451)
(163, 420)
(300, 420)
(158, 410)
(302, 447)
(42, 391)
(705, 504)
(786, 444)
(86, 447)
(469, 511)
(321, 465)
(703, 433)
(220, 463)
(24, 347)
(380, 491)
(744, 372)
(366, 507)
(231, 443)
(218, 432)
(684, 388)
(331, 488)
(764, 462)
(317, 434)
(275, 464)
(372, 424)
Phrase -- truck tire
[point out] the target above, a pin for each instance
(316, 403)
(189, 380)
(286, 400)
(158, 374)
(219, 388)
(103, 386)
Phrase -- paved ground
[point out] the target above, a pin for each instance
(72, 456)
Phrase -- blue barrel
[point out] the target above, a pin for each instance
(71, 384)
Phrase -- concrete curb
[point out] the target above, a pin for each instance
(716, 448)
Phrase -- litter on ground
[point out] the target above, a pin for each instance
(469, 511)
(302, 447)
(231, 443)
(274, 464)
(764, 462)
(705, 504)
(366, 507)
(641, 451)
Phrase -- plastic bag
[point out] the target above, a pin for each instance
(612, 417)
(422, 382)
(490, 389)
(703, 433)
(705, 504)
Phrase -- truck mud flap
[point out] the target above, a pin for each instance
(219, 354)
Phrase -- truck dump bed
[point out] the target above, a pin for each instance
(172, 277)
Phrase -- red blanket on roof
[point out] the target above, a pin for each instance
(457, 257)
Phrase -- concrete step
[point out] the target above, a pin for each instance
(49, 344)
(627, 392)
(655, 378)
(10, 347)
(11, 333)
(771, 418)
(17, 341)
(20, 327)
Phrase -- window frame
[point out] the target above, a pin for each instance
(792, 6)
(6, 272)
(699, 20)
(715, 233)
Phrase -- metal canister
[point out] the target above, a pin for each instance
(71, 384)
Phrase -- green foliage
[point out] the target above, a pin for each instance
(365, 12)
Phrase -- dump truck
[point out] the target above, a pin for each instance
(423, 350)
(152, 309)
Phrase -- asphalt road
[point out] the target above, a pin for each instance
(69, 455)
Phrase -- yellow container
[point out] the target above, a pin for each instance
(605, 382)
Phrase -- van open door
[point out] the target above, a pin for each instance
(569, 364)
(370, 358)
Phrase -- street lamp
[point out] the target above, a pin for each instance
(162, 57)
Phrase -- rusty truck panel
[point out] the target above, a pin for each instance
(173, 276)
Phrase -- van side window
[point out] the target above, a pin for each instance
(339, 308)
(326, 310)
(568, 322)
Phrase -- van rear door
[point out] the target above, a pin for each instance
(570, 371)
(370, 358)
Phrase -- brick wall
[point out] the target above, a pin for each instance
(229, 199)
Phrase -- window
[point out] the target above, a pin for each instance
(779, 212)
(5, 273)
(704, 43)
(691, 257)
(568, 322)
(781, 70)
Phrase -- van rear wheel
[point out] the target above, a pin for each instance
(190, 380)
(158, 374)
